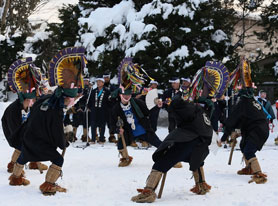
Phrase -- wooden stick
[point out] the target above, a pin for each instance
(232, 150)
(120, 124)
(162, 185)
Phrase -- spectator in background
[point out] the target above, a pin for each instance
(98, 105)
(167, 98)
(266, 104)
(185, 83)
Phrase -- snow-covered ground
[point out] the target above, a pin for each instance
(92, 177)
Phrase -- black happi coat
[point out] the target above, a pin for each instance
(44, 132)
(11, 122)
(144, 121)
(99, 107)
(192, 123)
(110, 87)
(170, 93)
(248, 115)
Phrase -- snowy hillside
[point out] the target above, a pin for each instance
(48, 12)
(93, 178)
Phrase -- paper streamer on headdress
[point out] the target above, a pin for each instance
(241, 75)
(130, 76)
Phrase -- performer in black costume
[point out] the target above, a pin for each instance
(110, 87)
(25, 79)
(135, 116)
(44, 130)
(133, 112)
(190, 140)
(249, 117)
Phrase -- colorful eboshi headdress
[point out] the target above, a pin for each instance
(24, 78)
(210, 81)
(65, 71)
(129, 76)
(66, 67)
(241, 75)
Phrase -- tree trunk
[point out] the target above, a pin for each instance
(4, 16)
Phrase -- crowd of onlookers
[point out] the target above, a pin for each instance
(98, 103)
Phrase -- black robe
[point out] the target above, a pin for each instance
(44, 132)
(248, 115)
(192, 123)
(11, 123)
(144, 120)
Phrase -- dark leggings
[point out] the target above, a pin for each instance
(55, 158)
(249, 150)
(178, 152)
(151, 138)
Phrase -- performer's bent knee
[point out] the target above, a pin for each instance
(58, 161)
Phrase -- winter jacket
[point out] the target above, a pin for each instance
(267, 105)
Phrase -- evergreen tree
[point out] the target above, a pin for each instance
(91, 5)
(269, 21)
(61, 35)
(205, 36)
(16, 18)
(176, 37)
(9, 49)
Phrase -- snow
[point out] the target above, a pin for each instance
(101, 18)
(2, 38)
(48, 12)
(92, 177)
(205, 53)
(276, 68)
(273, 17)
(219, 36)
(129, 29)
(166, 40)
(208, 28)
(187, 30)
(140, 46)
(179, 53)
(38, 36)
